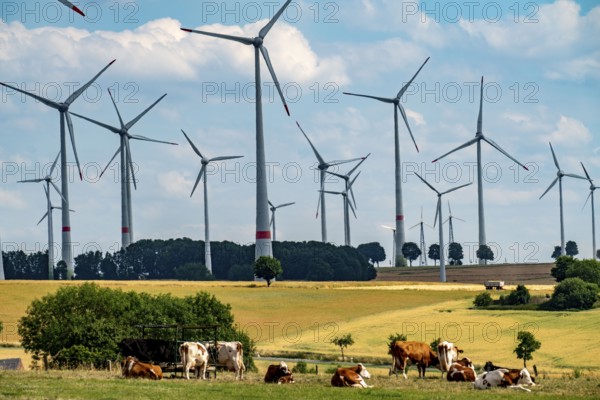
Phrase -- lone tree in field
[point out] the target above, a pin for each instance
(343, 342)
(527, 345)
(485, 253)
(434, 253)
(455, 253)
(267, 268)
(373, 252)
(571, 248)
(411, 251)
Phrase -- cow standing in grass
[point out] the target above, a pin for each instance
(193, 355)
(406, 353)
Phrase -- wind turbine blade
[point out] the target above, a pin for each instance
(501, 150)
(111, 160)
(338, 162)
(116, 109)
(438, 208)
(147, 139)
(352, 208)
(415, 225)
(388, 227)
(57, 191)
(47, 193)
(93, 121)
(383, 99)
(192, 144)
(224, 158)
(353, 180)
(198, 178)
(458, 187)
(427, 183)
(271, 204)
(480, 117)
(467, 144)
(352, 195)
(263, 32)
(82, 89)
(32, 180)
(447, 219)
(554, 156)
(239, 39)
(401, 92)
(136, 119)
(408, 126)
(344, 177)
(285, 205)
(265, 54)
(43, 218)
(586, 200)
(129, 162)
(47, 102)
(72, 134)
(459, 219)
(449, 209)
(575, 176)
(586, 174)
(319, 203)
(550, 187)
(272, 217)
(72, 7)
(358, 165)
(54, 165)
(330, 192)
(321, 161)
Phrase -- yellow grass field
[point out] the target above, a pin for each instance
(303, 317)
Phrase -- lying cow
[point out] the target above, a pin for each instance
(279, 373)
(504, 378)
(229, 355)
(447, 353)
(406, 353)
(193, 355)
(461, 371)
(351, 377)
(489, 366)
(132, 368)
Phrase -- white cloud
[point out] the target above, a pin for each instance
(569, 132)
(175, 183)
(10, 199)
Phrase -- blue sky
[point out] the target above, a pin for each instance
(541, 62)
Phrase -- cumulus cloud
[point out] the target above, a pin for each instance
(175, 183)
(10, 199)
(569, 132)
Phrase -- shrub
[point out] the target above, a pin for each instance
(587, 270)
(301, 367)
(518, 296)
(483, 300)
(560, 269)
(573, 293)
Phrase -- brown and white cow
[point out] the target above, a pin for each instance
(504, 378)
(132, 368)
(513, 373)
(193, 355)
(447, 353)
(461, 371)
(279, 373)
(351, 377)
(406, 353)
(229, 355)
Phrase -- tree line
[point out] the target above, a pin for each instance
(184, 259)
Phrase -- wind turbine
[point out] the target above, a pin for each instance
(126, 164)
(592, 188)
(347, 176)
(63, 109)
(478, 138)
(395, 101)
(72, 7)
(393, 242)
(422, 257)
(2, 276)
(450, 226)
(49, 182)
(438, 218)
(559, 176)
(263, 232)
(273, 209)
(205, 161)
(347, 204)
(323, 166)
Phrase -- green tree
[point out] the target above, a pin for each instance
(484, 252)
(573, 293)
(528, 344)
(598, 253)
(455, 253)
(411, 251)
(343, 342)
(571, 248)
(587, 270)
(60, 271)
(562, 264)
(87, 265)
(518, 296)
(434, 253)
(193, 272)
(372, 251)
(267, 268)
(556, 252)
(482, 300)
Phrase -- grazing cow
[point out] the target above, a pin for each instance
(193, 355)
(504, 378)
(447, 354)
(229, 355)
(352, 377)
(132, 368)
(417, 353)
(276, 372)
(461, 371)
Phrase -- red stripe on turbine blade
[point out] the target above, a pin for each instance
(287, 110)
(434, 160)
(66, 229)
(111, 63)
(185, 29)
(526, 169)
(263, 234)
(125, 229)
(399, 217)
(78, 11)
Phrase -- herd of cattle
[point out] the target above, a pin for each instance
(195, 356)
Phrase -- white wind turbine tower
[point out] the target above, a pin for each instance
(422, 245)
(72, 7)
(438, 219)
(49, 182)
(450, 226)
(395, 101)
(592, 188)
(478, 138)
(559, 176)
(63, 109)
(393, 242)
(205, 161)
(273, 209)
(323, 166)
(347, 205)
(2, 276)
(126, 165)
(263, 232)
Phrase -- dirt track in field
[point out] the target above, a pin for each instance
(511, 274)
